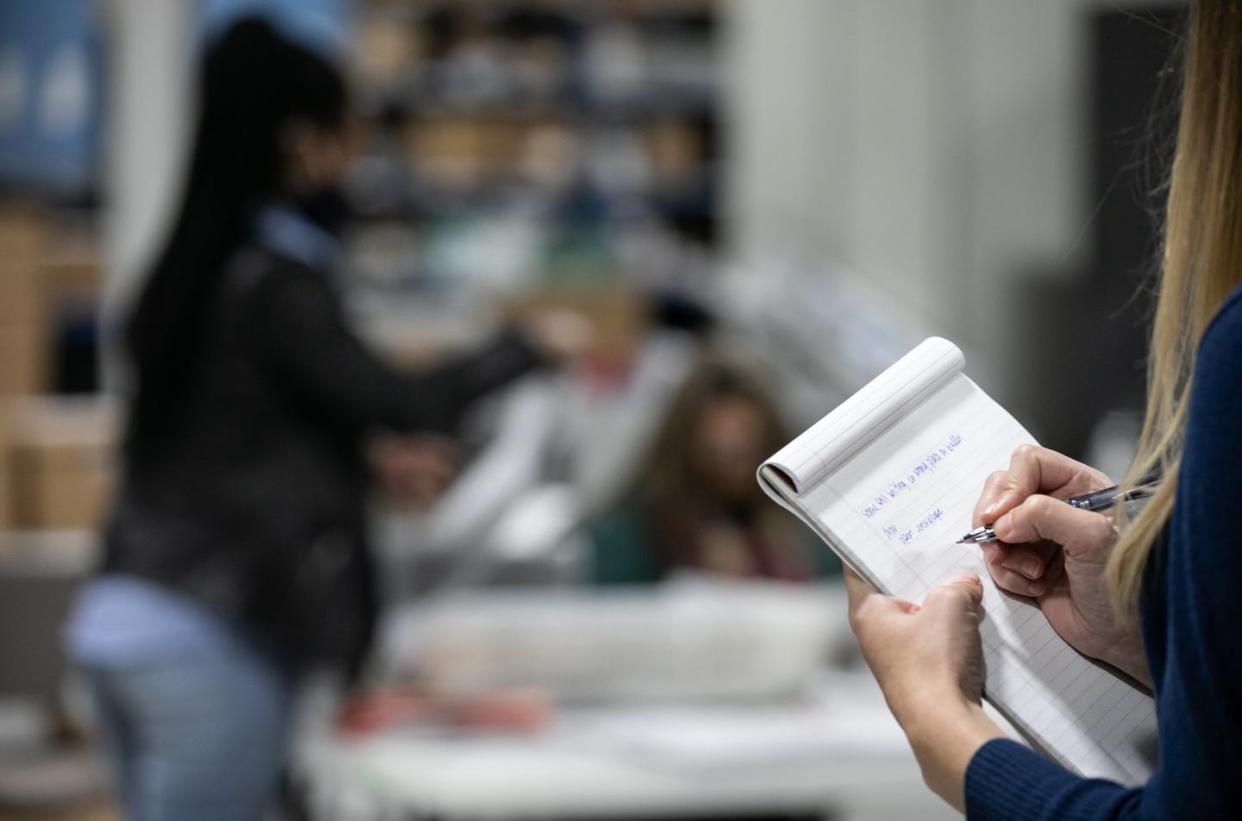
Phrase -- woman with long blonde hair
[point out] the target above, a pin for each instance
(1154, 596)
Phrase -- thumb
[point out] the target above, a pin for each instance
(1043, 517)
(963, 591)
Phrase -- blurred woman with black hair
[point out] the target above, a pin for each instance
(235, 555)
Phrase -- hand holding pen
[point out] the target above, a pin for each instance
(1037, 545)
(1025, 510)
(1095, 500)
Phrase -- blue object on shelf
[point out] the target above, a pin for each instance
(50, 95)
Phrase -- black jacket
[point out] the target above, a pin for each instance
(254, 505)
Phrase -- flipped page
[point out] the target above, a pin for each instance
(889, 480)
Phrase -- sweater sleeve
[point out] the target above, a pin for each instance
(1197, 654)
(1008, 780)
(302, 332)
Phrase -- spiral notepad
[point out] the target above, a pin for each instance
(888, 480)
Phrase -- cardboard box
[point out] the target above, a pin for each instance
(452, 153)
(6, 479)
(674, 148)
(72, 276)
(23, 306)
(23, 357)
(616, 315)
(388, 52)
(23, 245)
(61, 461)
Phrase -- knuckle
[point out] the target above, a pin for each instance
(953, 595)
(1105, 531)
(959, 600)
(1011, 581)
(949, 594)
(858, 617)
(1039, 506)
(1026, 452)
(1009, 486)
(1011, 564)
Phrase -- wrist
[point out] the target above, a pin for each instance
(1132, 662)
(945, 737)
(937, 719)
(1123, 649)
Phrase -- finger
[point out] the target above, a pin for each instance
(993, 487)
(856, 588)
(1042, 517)
(996, 557)
(1033, 469)
(859, 592)
(964, 591)
(869, 606)
(1025, 560)
(1016, 583)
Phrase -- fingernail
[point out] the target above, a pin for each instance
(1036, 588)
(990, 509)
(1030, 567)
(967, 576)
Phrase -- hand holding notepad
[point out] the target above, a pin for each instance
(888, 480)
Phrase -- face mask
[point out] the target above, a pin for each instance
(325, 207)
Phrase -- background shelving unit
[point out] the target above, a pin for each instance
(518, 142)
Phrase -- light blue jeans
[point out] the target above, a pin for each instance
(198, 735)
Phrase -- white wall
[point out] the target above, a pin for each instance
(931, 145)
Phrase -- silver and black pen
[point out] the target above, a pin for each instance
(1096, 500)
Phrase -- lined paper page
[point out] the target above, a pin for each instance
(876, 406)
(894, 510)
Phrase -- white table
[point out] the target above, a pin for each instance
(839, 752)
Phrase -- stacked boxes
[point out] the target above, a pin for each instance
(615, 314)
(55, 451)
(23, 314)
(61, 458)
(23, 326)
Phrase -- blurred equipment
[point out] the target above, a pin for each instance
(556, 452)
(43, 765)
(821, 330)
(38, 574)
(511, 711)
(693, 640)
(836, 754)
(695, 701)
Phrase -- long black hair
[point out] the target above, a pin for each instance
(253, 83)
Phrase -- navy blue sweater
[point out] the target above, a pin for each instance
(1192, 632)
